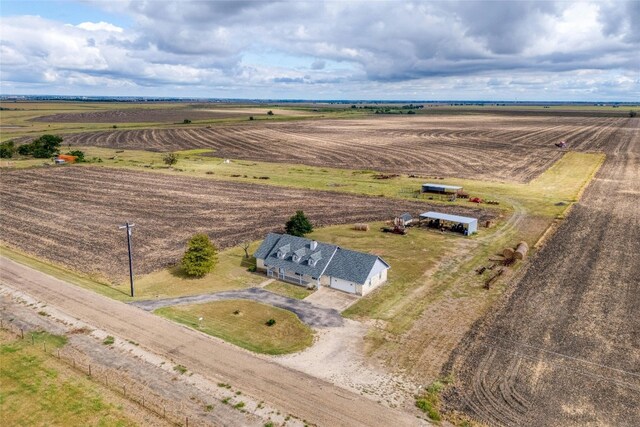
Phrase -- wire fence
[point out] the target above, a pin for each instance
(113, 379)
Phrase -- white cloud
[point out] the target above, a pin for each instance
(100, 26)
(358, 49)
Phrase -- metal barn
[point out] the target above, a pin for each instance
(461, 224)
(440, 188)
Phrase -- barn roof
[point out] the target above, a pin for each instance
(448, 217)
(443, 186)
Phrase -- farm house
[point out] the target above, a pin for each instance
(309, 263)
(440, 188)
(460, 224)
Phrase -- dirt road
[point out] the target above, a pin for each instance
(302, 395)
(564, 347)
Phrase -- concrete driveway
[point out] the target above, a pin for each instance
(312, 315)
(331, 298)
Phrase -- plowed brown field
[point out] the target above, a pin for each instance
(470, 146)
(564, 346)
(140, 115)
(70, 215)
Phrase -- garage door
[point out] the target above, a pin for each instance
(343, 285)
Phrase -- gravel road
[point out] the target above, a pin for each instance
(310, 314)
(302, 395)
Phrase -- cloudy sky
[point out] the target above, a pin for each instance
(471, 50)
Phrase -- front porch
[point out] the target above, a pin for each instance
(290, 277)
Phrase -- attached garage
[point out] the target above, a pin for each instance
(342, 285)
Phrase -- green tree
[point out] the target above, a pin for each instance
(298, 225)
(44, 147)
(7, 149)
(269, 113)
(632, 113)
(200, 257)
(24, 149)
(170, 159)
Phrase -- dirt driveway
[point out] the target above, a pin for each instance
(312, 315)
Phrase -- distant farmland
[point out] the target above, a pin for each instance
(468, 146)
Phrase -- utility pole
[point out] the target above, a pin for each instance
(128, 227)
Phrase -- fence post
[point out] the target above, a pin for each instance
(58, 353)
(21, 333)
(164, 412)
(44, 345)
(74, 363)
(187, 418)
(89, 370)
(106, 380)
(124, 390)
(33, 339)
(143, 401)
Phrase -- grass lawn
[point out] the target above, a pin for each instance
(288, 290)
(247, 328)
(38, 391)
(231, 272)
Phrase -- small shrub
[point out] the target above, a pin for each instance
(186, 121)
(239, 405)
(114, 126)
(250, 117)
(270, 322)
(226, 400)
(269, 424)
(269, 113)
(252, 269)
(236, 312)
(224, 385)
(170, 159)
(208, 408)
(7, 149)
(109, 340)
(43, 313)
(79, 155)
(180, 369)
(632, 113)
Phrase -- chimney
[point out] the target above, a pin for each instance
(313, 245)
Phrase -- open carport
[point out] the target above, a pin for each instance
(456, 223)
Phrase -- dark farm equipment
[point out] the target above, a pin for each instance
(396, 229)
(561, 144)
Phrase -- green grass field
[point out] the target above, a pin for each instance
(243, 323)
(38, 391)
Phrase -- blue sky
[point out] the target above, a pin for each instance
(489, 50)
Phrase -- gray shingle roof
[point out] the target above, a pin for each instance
(299, 246)
(351, 265)
(330, 260)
